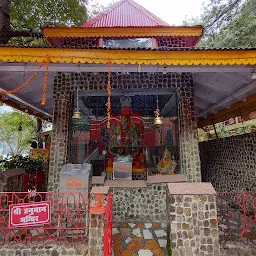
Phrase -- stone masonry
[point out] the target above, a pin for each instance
(171, 42)
(162, 42)
(230, 163)
(193, 219)
(96, 229)
(81, 42)
(189, 150)
(138, 239)
(140, 204)
(42, 250)
(65, 84)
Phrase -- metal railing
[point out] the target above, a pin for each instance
(237, 217)
(68, 224)
(108, 221)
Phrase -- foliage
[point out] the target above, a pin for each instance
(17, 130)
(28, 164)
(240, 32)
(27, 17)
(228, 23)
(223, 130)
(34, 14)
(95, 8)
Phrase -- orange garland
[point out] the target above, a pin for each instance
(46, 62)
(109, 92)
(23, 85)
(45, 80)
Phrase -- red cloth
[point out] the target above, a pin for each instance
(150, 139)
(137, 161)
(126, 111)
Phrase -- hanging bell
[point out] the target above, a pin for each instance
(158, 121)
(77, 115)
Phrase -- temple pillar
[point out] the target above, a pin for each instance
(188, 139)
(193, 224)
(60, 132)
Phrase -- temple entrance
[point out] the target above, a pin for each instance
(139, 138)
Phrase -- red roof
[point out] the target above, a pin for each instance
(126, 13)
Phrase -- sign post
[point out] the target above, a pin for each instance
(29, 214)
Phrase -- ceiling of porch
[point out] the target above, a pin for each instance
(216, 87)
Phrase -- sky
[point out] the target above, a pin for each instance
(171, 11)
(5, 108)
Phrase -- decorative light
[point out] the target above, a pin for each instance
(158, 120)
(164, 70)
(77, 114)
(253, 74)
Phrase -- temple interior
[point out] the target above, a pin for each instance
(140, 138)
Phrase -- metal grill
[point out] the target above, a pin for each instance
(69, 219)
(237, 217)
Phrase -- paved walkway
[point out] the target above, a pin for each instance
(139, 239)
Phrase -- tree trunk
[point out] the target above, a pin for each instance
(6, 32)
(39, 133)
(5, 27)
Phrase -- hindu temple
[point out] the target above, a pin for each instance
(125, 94)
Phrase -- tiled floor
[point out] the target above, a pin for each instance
(139, 239)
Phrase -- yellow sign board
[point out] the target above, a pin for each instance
(37, 153)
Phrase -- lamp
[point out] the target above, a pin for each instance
(253, 74)
(158, 120)
(77, 114)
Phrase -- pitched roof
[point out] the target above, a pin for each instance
(126, 13)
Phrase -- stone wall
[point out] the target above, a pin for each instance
(40, 250)
(188, 138)
(81, 42)
(192, 215)
(238, 249)
(140, 204)
(181, 83)
(96, 229)
(162, 42)
(230, 163)
(171, 42)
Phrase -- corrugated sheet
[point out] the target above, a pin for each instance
(126, 13)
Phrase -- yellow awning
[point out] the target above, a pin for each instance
(147, 57)
(123, 32)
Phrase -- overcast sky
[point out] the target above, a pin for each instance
(171, 11)
(5, 108)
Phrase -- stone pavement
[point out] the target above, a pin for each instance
(139, 239)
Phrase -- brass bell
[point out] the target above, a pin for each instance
(158, 121)
(77, 115)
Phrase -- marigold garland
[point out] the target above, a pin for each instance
(44, 62)
(24, 84)
(109, 92)
(45, 80)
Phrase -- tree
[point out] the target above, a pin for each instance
(227, 23)
(17, 129)
(94, 8)
(240, 32)
(25, 18)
